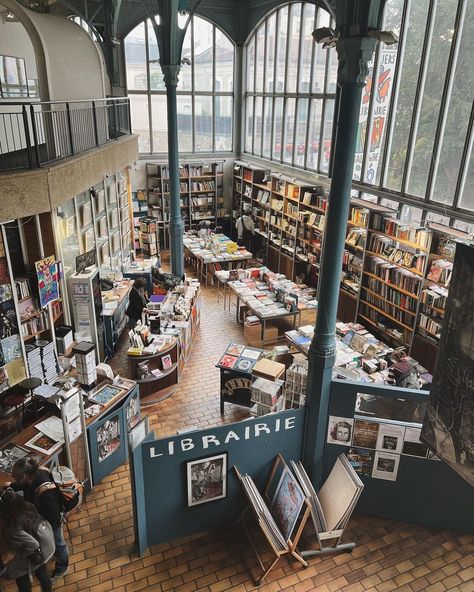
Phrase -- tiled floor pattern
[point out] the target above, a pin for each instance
(389, 555)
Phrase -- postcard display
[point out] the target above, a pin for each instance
(107, 434)
(378, 429)
(202, 491)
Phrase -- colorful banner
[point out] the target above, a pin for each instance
(47, 271)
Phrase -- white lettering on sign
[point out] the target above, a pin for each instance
(206, 440)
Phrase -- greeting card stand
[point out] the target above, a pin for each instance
(289, 547)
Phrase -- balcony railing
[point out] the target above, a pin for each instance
(36, 134)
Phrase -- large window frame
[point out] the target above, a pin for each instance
(192, 94)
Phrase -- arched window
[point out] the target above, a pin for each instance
(290, 89)
(205, 89)
(82, 23)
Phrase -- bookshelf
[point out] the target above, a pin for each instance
(201, 194)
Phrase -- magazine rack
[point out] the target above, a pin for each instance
(346, 507)
(279, 544)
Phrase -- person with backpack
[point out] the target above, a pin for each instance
(27, 542)
(245, 230)
(39, 489)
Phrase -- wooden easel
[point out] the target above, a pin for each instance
(290, 545)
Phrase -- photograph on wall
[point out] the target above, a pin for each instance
(108, 438)
(340, 430)
(43, 443)
(386, 466)
(412, 445)
(11, 347)
(5, 292)
(287, 502)
(448, 427)
(133, 411)
(206, 479)
(9, 454)
(390, 437)
(362, 460)
(4, 273)
(47, 272)
(365, 433)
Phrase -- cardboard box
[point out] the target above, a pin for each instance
(268, 369)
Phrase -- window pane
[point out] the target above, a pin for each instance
(332, 70)
(135, 57)
(267, 127)
(250, 64)
(249, 125)
(156, 75)
(467, 197)
(301, 127)
(289, 130)
(459, 109)
(314, 134)
(415, 30)
(270, 57)
(281, 49)
(223, 117)
(224, 63)
(380, 108)
(411, 215)
(140, 124)
(464, 226)
(369, 197)
(306, 48)
(159, 121)
(203, 54)
(434, 217)
(327, 135)
(257, 132)
(259, 57)
(277, 127)
(431, 100)
(203, 123)
(319, 57)
(185, 73)
(185, 128)
(293, 47)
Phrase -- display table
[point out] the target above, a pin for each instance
(236, 374)
(114, 314)
(213, 251)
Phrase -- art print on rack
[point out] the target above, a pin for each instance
(287, 503)
(108, 438)
(206, 479)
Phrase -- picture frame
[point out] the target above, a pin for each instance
(108, 437)
(105, 394)
(43, 443)
(287, 502)
(206, 479)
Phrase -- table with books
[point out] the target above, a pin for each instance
(269, 296)
(224, 276)
(236, 374)
(360, 356)
(217, 250)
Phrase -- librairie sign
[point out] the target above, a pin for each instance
(202, 442)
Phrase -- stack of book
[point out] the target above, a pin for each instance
(33, 358)
(49, 361)
(22, 288)
(267, 396)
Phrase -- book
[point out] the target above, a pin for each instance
(227, 361)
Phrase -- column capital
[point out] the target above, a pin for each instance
(354, 55)
(170, 74)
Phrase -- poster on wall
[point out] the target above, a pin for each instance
(448, 428)
(340, 430)
(48, 280)
(108, 438)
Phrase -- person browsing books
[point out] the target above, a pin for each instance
(137, 301)
(33, 481)
(245, 229)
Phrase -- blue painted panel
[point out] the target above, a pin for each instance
(426, 492)
(251, 446)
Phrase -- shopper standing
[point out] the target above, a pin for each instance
(137, 301)
(245, 230)
(27, 542)
(32, 480)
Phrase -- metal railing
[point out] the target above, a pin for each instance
(35, 134)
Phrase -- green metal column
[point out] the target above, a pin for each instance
(170, 75)
(354, 48)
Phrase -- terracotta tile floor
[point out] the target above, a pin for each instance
(389, 555)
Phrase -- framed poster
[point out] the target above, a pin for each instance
(206, 479)
(48, 280)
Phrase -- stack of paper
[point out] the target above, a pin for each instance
(33, 357)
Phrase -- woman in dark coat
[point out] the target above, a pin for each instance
(137, 301)
(27, 542)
